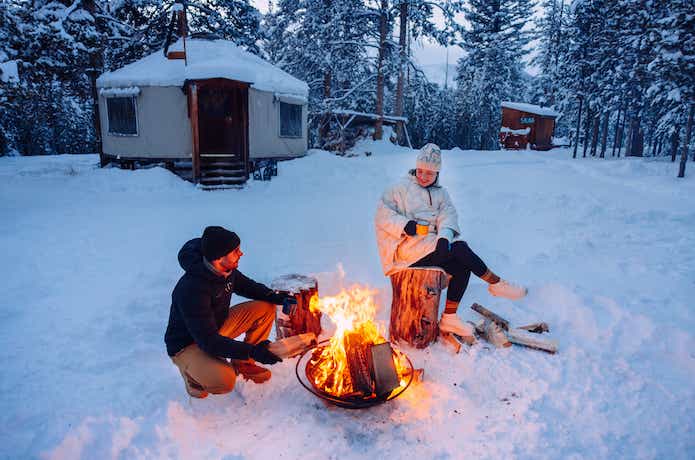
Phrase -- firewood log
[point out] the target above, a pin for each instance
(359, 363)
(520, 337)
(501, 322)
(536, 328)
(450, 342)
(293, 345)
(384, 370)
(415, 305)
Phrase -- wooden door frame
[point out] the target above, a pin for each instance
(192, 88)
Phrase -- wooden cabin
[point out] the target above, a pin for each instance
(205, 104)
(525, 125)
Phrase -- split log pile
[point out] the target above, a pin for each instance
(299, 319)
(527, 336)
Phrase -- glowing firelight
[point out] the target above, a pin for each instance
(352, 311)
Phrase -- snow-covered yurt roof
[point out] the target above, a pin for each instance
(206, 59)
(531, 108)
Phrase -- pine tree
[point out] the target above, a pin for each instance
(673, 87)
(492, 71)
(323, 42)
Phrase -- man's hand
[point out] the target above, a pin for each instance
(410, 228)
(442, 246)
(288, 302)
(261, 353)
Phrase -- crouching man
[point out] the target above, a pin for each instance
(202, 326)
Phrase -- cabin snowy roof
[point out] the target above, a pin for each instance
(206, 59)
(531, 108)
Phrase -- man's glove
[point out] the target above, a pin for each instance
(261, 353)
(410, 228)
(288, 302)
(442, 246)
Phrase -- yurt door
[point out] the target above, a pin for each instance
(222, 128)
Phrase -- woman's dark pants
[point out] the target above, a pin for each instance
(459, 262)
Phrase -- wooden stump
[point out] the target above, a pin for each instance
(415, 305)
(302, 319)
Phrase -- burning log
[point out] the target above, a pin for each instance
(302, 318)
(383, 368)
(359, 362)
(415, 305)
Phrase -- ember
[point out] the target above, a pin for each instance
(355, 364)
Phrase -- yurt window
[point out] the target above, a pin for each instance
(290, 120)
(122, 116)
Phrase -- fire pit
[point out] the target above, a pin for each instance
(356, 368)
(306, 371)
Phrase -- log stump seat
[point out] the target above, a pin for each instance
(415, 305)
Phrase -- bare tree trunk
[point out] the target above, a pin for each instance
(675, 138)
(628, 140)
(615, 136)
(594, 134)
(96, 64)
(604, 134)
(587, 124)
(636, 138)
(325, 119)
(686, 144)
(621, 136)
(579, 124)
(378, 126)
(402, 44)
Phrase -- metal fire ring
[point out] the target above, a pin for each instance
(345, 402)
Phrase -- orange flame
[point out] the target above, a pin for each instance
(352, 311)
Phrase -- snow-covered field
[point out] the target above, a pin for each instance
(607, 248)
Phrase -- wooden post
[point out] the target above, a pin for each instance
(302, 319)
(415, 305)
(193, 91)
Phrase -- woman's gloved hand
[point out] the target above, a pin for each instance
(442, 246)
(410, 228)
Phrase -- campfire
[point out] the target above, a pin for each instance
(357, 367)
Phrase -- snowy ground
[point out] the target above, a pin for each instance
(606, 246)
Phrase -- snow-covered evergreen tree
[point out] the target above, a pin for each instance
(323, 42)
(492, 70)
(673, 66)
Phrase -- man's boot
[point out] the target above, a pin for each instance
(248, 369)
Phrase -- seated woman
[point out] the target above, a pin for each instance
(417, 226)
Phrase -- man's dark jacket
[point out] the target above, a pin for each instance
(200, 304)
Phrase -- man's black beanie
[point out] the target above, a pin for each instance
(218, 242)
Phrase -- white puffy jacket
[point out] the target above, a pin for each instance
(405, 201)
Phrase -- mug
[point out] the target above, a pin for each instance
(422, 228)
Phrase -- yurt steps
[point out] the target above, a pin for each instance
(222, 173)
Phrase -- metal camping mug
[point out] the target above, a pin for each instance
(423, 227)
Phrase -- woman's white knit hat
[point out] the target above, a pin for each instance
(430, 158)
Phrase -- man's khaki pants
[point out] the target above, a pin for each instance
(203, 373)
